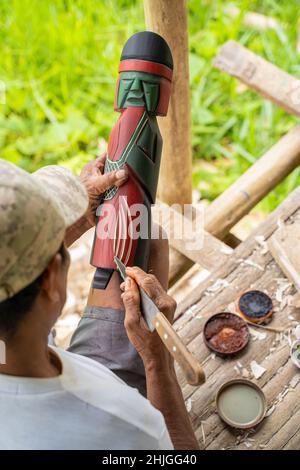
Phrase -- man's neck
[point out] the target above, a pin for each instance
(28, 355)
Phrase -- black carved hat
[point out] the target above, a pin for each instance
(147, 45)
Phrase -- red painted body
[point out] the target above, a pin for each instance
(112, 222)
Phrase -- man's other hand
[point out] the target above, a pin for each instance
(96, 183)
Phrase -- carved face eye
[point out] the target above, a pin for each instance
(151, 91)
(124, 88)
(127, 84)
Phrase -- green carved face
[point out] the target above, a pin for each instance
(138, 89)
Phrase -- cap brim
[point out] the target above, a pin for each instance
(65, 190)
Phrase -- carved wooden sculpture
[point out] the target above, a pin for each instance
(143, 92)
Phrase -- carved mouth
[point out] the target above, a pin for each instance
(132, 97)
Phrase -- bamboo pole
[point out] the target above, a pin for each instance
(169, 19)
(234, 203)
(260, 75)
(225, 211)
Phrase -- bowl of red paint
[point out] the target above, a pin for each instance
(226, 333)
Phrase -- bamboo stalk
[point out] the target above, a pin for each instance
(257, 182)
(259, 74)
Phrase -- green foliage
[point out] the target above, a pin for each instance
(59, 58)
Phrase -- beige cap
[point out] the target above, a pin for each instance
(35, 210)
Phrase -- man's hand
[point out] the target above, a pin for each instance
(96, 183)
(147, 344)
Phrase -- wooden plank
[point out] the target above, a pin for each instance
(282, 246)
(169, 19)
(189, 238)
(291, 425)
(248, 190)
(245, 249)
(237, 276)
(179, 265)
(273, 384)
(188, 282)
(260, 75)
(225, 211)
(293, 442)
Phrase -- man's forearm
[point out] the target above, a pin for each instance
(76, 230)
(165, 394)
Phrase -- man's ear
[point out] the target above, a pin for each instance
(50, 280)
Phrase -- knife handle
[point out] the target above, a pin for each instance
(191, 368)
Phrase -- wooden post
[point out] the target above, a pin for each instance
(169, 19)
(225, 211)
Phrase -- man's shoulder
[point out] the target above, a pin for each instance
(99, 387)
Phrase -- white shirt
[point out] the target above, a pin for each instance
(86, 407)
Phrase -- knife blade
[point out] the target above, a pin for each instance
(148, 307)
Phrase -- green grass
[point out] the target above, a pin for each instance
(58, 61)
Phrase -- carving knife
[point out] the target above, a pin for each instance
(156, 320)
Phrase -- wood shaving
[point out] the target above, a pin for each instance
(287, 338)
(297, 332)
(270, 410)
(263, 245)
(259, 335)
(203, 432)
(281, 395)
(188, 405)
(192, 310)
(295, 380)
(283, 286)
(226, 250)
(220, 283)
(257, 369)
(249, 262)
(284, 393)
(245, 373)
(280, 223)
(247, 444)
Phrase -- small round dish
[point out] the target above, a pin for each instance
(255, 306)
(241, 403)
(226, 333)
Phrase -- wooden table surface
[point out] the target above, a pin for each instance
(250, 266)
